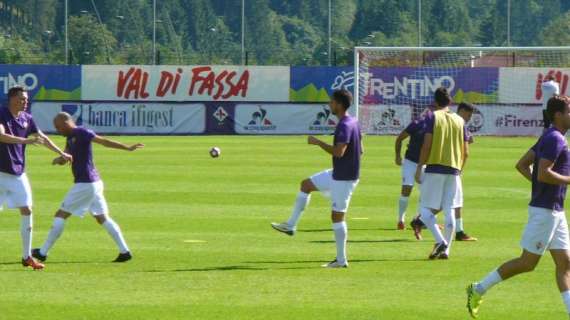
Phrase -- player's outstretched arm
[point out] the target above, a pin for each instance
(53, 147)
(524, 164)
(116, 145)
(337, 150)
(401, 137)
(10, 139)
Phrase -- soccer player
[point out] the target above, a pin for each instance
(549, 88)
(16, 128)
(465, 111)
(444, 152)
(415, 131)
(87, 193)
(338, 183)
(547, 228)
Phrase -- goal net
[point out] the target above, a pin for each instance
(395, 85)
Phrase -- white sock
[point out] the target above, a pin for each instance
(26, 233)
(488, 282)
(428, 218)
(115, 233)
(459, 225)
(566, 299)
(402, 207)
(300, 204)
(340, 235)
(449, 228)
(54, 233)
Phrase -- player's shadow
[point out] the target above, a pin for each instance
(366, 241)
(351, 229)
(319, 262)
(207, 269)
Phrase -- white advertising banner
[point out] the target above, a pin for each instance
(126, 118)
(284, 119)
(506, 121)
(523, 85)
(185, 83)
(384, 119)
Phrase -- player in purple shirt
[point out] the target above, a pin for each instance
(547, 228)
(337, 183)
(17, 128)
(87, 192)
(415, 131)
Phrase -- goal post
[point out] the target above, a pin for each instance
(394, 85)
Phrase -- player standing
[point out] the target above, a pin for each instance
(338, 182)
(444, 152)
(16, 125)
(415, 131)
(87, 192)
(547, 228)
(465, 111)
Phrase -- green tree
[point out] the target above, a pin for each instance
(91, 42)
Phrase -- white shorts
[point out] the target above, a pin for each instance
(84, 197)
(339, 191)
(409, 172)
(440, 191)
(15, 191)
(546, 230)
(458, 200)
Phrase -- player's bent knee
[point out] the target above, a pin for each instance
(100, 218)
(307, 186)
(62, 214)
(337, 216)
(25, 211)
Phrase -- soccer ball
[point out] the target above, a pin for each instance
(215, 152)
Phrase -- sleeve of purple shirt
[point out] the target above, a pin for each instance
(429, 122)
(467, 135)
(89, 134)
(342, 134)
(552, 147)
(413, 127)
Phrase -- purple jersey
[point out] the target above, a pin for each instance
(79, 146)
(435, 168)
(416, 129)
(13, 156)
(348, 166)
(551, 146)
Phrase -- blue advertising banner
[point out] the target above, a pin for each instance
(316, 84)
(43, 82)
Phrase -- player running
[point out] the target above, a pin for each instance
(87, 193)
(338, 183)
(444, 153)
(16, 127)
(547, 228)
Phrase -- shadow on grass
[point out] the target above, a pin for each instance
(366, 241)
(350, 229)
(222, 268)
(326, 261)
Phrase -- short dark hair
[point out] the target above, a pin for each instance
(556, 104)
(442, 97)
(465, 106)
(344, 97)
(14, 91)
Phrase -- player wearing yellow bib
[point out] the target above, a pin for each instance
(444, 153)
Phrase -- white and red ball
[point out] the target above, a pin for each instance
(215, 152)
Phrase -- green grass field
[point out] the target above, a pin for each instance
(199, 230)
